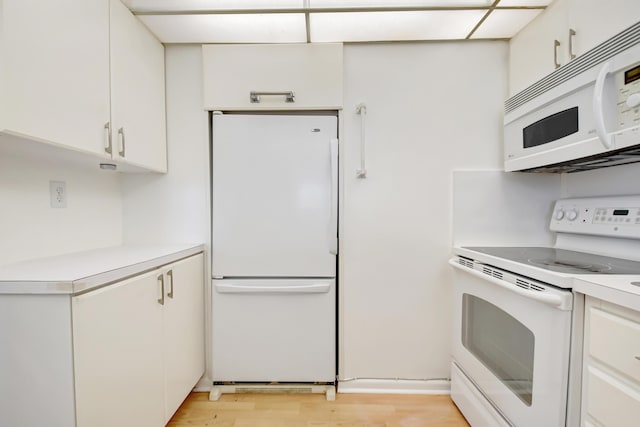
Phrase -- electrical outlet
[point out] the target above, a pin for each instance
(58, 193)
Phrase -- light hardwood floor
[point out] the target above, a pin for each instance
(313, 410)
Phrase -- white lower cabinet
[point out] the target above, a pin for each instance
(139, 346)
(126, 354)
(183, 331)
(118, 343)
(611, 375)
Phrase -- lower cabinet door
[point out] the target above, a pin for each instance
(117, 340)
(183, 330)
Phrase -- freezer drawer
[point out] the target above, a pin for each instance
(274, 330)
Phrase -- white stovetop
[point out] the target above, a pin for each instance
(613, 288)
(82, 271)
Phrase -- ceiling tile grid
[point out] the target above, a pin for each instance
(318, 21)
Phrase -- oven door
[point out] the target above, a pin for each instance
(513, 343)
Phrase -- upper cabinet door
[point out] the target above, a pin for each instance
(311, 74)
(533, 53)
(55, 86)
(563, 32)
(137, 92)
(595, 21)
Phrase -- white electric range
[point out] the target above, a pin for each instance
(518, 313)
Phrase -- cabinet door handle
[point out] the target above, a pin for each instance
(161, 280)
(170, 276)
(107, 145)
(572, 33)
(122, 142)
(254, 96)
(556, 45)
(637, 357)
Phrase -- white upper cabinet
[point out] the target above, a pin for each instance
(532, 50)
(137, 92)
(282, 77)
(56, 72)
(72, 70)
(565, 30)
(595, 21)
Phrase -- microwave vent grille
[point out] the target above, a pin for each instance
(595, 56)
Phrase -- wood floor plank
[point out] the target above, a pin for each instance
(312, 410)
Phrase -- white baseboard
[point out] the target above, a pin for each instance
(205, 384)
(395, 386)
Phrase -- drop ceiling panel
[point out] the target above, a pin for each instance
(385, 26)
(241, 28)
(318, 4)
(504, 24)
(213, 5)
(520, 3)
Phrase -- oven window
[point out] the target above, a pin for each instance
(551, 128)
(503, 344)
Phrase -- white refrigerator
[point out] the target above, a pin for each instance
(274, 247)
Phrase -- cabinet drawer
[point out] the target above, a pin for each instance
(611, 402)
(615, 341)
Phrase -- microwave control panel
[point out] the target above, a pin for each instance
(604, 216)
(628, 88)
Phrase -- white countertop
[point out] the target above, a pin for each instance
(82, 271)
(613, 288)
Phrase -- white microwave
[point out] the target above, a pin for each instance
(585, 115)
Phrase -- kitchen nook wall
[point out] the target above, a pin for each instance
(174, 207)
(431, 108)
(31, 228)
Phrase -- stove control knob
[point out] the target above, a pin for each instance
(572, 214)
(559, 214)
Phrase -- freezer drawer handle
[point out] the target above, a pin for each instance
(254, 96)
(230, 288)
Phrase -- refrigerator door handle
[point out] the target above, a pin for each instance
(232, 288)
(333, 223)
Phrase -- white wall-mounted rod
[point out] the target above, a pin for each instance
(362, 110)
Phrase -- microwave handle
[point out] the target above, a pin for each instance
(598, 106)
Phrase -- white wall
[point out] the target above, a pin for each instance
(427, 115)
(431, 108)
(495, 208)
(615, 181)
(30, 228)
(174, 208)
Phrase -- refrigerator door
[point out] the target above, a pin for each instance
(274, 197)
(274, 330)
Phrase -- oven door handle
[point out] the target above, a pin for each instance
(552, 300)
